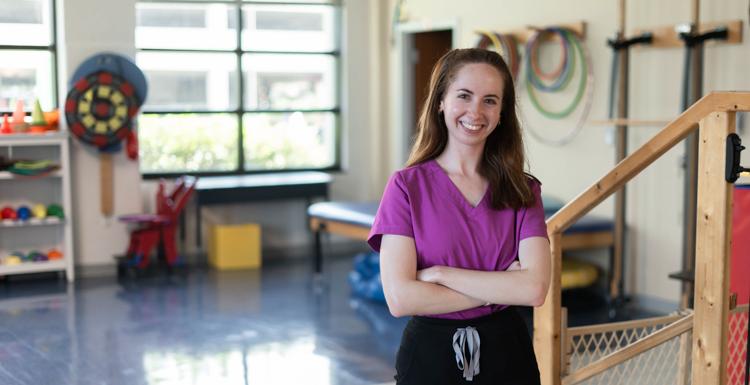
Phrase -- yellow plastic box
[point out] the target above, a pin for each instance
(235, 247)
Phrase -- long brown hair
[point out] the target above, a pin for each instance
(503, 158)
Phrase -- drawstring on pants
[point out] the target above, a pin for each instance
(461, 338)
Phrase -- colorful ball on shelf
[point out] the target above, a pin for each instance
(36, 256)
(39, 211)
(8, 213)
(54, 254)
(12, 259)
(55, 210)
(23, 213)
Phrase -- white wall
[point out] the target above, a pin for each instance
(654, 198)
(87, 27)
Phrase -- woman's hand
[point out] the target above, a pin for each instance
(516, 265)
(430, 274)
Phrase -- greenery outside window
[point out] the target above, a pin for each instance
(238, 86)
(28, 60)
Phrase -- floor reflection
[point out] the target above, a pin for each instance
(273, 326)
(271, 363)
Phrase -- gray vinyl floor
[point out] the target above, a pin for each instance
(269, 326)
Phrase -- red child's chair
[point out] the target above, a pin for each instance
(153, 229)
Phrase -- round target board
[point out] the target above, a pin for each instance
(100, 107)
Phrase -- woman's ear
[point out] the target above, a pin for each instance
(440, 108)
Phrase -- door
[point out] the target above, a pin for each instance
(427, 48)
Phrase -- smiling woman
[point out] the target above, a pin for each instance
(472, 104)
(461, 233)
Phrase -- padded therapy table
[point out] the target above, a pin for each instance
(354, 219)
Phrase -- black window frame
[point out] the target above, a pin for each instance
(52, 49)
(240, 111)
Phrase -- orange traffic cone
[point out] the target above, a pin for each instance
(19, 124)
(5, 129)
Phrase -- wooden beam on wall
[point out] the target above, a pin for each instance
(667, 36)
(522, 35)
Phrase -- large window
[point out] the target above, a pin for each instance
(238, 86)
(27, 54)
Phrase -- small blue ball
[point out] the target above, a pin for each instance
(23, 213)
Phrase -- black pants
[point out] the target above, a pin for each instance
(426, 355)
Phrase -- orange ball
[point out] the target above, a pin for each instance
(54, 254)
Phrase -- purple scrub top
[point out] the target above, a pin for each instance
(422, 202)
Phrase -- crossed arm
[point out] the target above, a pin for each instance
(443, 289)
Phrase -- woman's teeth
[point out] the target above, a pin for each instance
(472, 127)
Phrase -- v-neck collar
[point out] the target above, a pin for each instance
(453, 190)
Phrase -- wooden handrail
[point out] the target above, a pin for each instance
(662, 142)
(714, 110)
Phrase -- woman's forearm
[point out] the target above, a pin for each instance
(405, 293)
(519, 287)
(525, 282)
(413, 297)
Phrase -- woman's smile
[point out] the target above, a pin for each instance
(472, 103)
(472, 127)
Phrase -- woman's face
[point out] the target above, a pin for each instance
(471, 105)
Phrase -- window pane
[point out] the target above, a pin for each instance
(26, 75)
(188, 142)
(179, 81)
(25, 22)
(186, 26)
(300, 28)
(296, 1)
(289, 81)
(289, 140)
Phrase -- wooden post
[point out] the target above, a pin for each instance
(547, 320)
(621, 152)
(693, 92)
(565, 342)
(714, 229)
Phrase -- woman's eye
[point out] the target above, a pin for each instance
(463, 96)
(491, 101)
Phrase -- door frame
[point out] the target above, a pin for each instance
(402, 86)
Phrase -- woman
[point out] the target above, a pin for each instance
(461, 233)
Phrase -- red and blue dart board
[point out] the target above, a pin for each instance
(118, 65)
(100, 108)
(105, 94)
